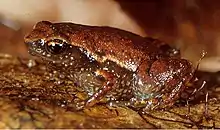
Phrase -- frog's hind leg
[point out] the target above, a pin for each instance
(108, 85)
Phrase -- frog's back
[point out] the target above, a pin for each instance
(125, 48)
(110, 36)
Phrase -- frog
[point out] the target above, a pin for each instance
(113, 64)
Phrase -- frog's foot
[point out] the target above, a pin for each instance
(160, 101)
(108, 85)
(119, 103)
(142, 106)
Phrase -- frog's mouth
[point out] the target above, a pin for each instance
(39, 51)
(41, 57)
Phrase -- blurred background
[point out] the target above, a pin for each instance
(189, 25)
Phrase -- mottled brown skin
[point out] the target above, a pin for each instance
(142, 72)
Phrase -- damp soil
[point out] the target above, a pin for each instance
(30, 98)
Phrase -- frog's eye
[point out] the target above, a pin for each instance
(56, 46)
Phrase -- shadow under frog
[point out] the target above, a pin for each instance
(111, 63)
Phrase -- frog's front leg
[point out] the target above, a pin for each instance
(108, 85)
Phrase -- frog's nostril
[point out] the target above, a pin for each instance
(30, 44)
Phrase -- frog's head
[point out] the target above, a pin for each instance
(46, 41)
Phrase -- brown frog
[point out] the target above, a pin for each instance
(113, 64)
